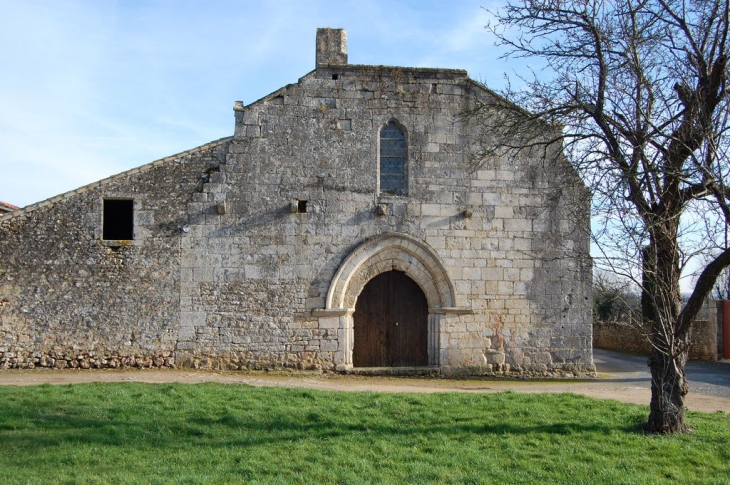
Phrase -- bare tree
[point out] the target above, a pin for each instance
(637, 91)
(615, 300)
(722, 287)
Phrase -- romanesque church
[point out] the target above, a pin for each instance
(349, 224)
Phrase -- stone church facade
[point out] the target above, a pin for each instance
(344, 226)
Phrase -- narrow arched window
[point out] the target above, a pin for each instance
(393, 160)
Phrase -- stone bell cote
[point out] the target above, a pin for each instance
(331, 47)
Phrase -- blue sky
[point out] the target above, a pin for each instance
(91, 88)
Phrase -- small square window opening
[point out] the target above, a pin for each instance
(118, 222)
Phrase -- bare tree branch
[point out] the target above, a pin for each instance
(638, 89)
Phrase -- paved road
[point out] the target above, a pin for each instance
(710, 378)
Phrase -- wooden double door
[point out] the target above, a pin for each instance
(391, 323)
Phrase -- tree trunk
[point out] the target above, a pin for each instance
(668, 388)
(669, 341)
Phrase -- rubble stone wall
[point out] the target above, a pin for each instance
(70, 299)
(627, 338)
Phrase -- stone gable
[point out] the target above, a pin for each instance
(253, 251)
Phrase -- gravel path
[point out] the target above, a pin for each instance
(621, 377)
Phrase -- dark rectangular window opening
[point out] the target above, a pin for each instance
(335, 76)
(301, 206)
(118, 220)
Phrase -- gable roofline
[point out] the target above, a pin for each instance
(432, 71)
(428, 72)
(515, 106)
(102, 182)
(484, 87)
(494, 93)
(8, 207)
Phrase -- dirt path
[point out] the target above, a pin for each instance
(619, 379)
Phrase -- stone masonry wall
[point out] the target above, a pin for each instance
(227, 269)
(626, 338)
(512, 260)
(70, 299)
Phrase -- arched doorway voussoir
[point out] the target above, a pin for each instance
(385, 253)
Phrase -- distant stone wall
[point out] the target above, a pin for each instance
(704, 339)
(626, 338)
(620, 337)
(721, 337)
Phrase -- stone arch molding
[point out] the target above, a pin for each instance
(392, 251)
(377, 255)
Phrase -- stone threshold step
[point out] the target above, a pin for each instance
(394, 371)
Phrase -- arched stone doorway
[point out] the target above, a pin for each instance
(381, 254)
(390, 323)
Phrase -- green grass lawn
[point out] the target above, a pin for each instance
(216, 433)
